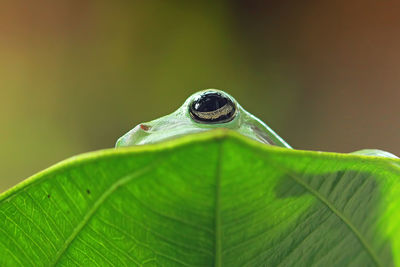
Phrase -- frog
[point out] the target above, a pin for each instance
(210, 109)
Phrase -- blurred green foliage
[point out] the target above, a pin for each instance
(74, 76)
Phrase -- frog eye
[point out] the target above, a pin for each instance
(212, 107)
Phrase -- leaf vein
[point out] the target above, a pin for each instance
(95, 206)
(343, 218)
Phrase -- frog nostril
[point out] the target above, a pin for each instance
(212, 107)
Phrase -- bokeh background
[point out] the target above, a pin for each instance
(75, 75)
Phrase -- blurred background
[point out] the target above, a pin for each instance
(75, 75)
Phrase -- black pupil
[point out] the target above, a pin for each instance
(212, 107)
(210, 102)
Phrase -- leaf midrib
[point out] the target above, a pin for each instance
(217, 223)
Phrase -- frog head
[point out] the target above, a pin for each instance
(202, 111)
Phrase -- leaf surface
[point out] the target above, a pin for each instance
(215, 198)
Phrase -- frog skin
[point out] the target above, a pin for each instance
(206, 110)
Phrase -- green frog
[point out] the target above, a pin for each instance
(206, 110)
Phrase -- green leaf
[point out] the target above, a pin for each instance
(215, 198)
